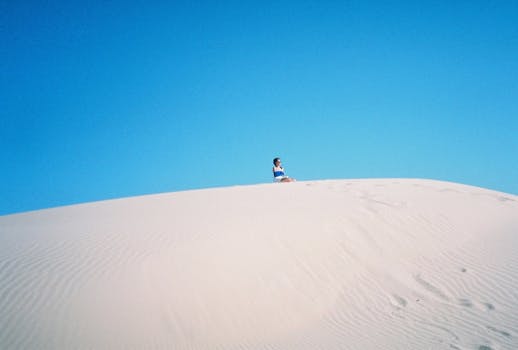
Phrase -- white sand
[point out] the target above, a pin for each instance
(344, 264)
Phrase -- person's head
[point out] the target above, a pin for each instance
(277, 161)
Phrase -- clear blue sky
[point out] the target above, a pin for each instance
(127, 98)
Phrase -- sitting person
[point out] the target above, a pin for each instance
(278, 172)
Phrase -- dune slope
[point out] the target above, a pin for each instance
(338, 264)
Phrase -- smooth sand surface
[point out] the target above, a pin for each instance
(338, 264)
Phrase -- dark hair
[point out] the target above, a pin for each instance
(275, 160)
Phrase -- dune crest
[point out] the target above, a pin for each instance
(337, 264)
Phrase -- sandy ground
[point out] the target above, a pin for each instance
(338, 264)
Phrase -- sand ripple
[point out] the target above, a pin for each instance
(343, 264)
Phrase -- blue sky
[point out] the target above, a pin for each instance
(118, 99)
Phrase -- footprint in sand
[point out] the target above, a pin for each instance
(400, 301)
(478, 305)
(430, 287)
(488, 306)
(484, 306)
(499, 331)
(465, 302)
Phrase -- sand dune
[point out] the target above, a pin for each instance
(341, 264)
